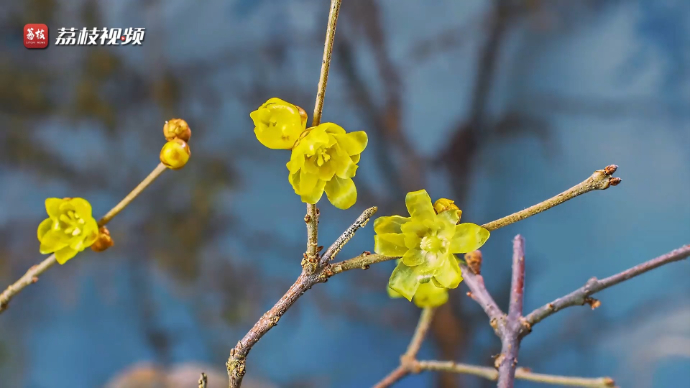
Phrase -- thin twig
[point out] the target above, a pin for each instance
(420, 332)
(510, 339)
(396, 375)
(326, 61)
(31, 276)
(203, 380)
(362, 261)
(360, 222)
(133, 194)
(599, 180)
(312, 218)
(408, 362)
(479, 294)
(582, 295)
(237, 361)
(521, 374)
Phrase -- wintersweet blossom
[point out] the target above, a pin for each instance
(278, 124)
(69, 229)
(427, 243)
(325, 159)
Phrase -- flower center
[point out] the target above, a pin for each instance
(71, 223)
(320, 156)
(432, 244)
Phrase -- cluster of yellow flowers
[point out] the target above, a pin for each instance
(324, 157)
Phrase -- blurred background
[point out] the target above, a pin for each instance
(497, 104)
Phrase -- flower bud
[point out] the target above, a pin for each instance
(177, 129)
(104, 240)
(175, 154)
(445, 204)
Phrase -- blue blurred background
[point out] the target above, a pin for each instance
(497, 104)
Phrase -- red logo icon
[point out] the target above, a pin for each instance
(35, 36)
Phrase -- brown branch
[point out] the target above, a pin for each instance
(237, 361)
(408, 362)
(31, 276)
(396, 375)
(335, 248)
(312, 218)
(362, 261)
(599, 180)
(582, 295)
(521, 374)
(510, 339)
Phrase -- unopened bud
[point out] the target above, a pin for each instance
(177, 129)
(175, 154)
(104, 241)
(445, 204)
(474, 261)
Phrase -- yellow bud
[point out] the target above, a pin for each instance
(445, 204)
(175, 154)
(177, 129)
(104, 240)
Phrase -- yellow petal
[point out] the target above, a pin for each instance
(392, 293)
(307, 183)
(44, 227)
(389, 224)
(53, 207)
(342, 193)
(82, 207)
(342, 163)
(404, 280)
(353, 143)
(53, 241)
(65, 254)
(428, 295)
(468, 237)
(315, 195)
(413, 257)
(419, 205)
(355, 158)
(390, 244)
(449, 275)
(332, 128)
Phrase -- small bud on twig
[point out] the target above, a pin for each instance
(177, 129)
(474, 261)
(175, 154)
(104, 240)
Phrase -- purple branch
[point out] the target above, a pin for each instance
(510, 339)
(478, 292)
(582, 295)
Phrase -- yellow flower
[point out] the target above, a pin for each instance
(427, 295)
(278, 124)
(325, 158)
(69, 229)
(427, 243)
